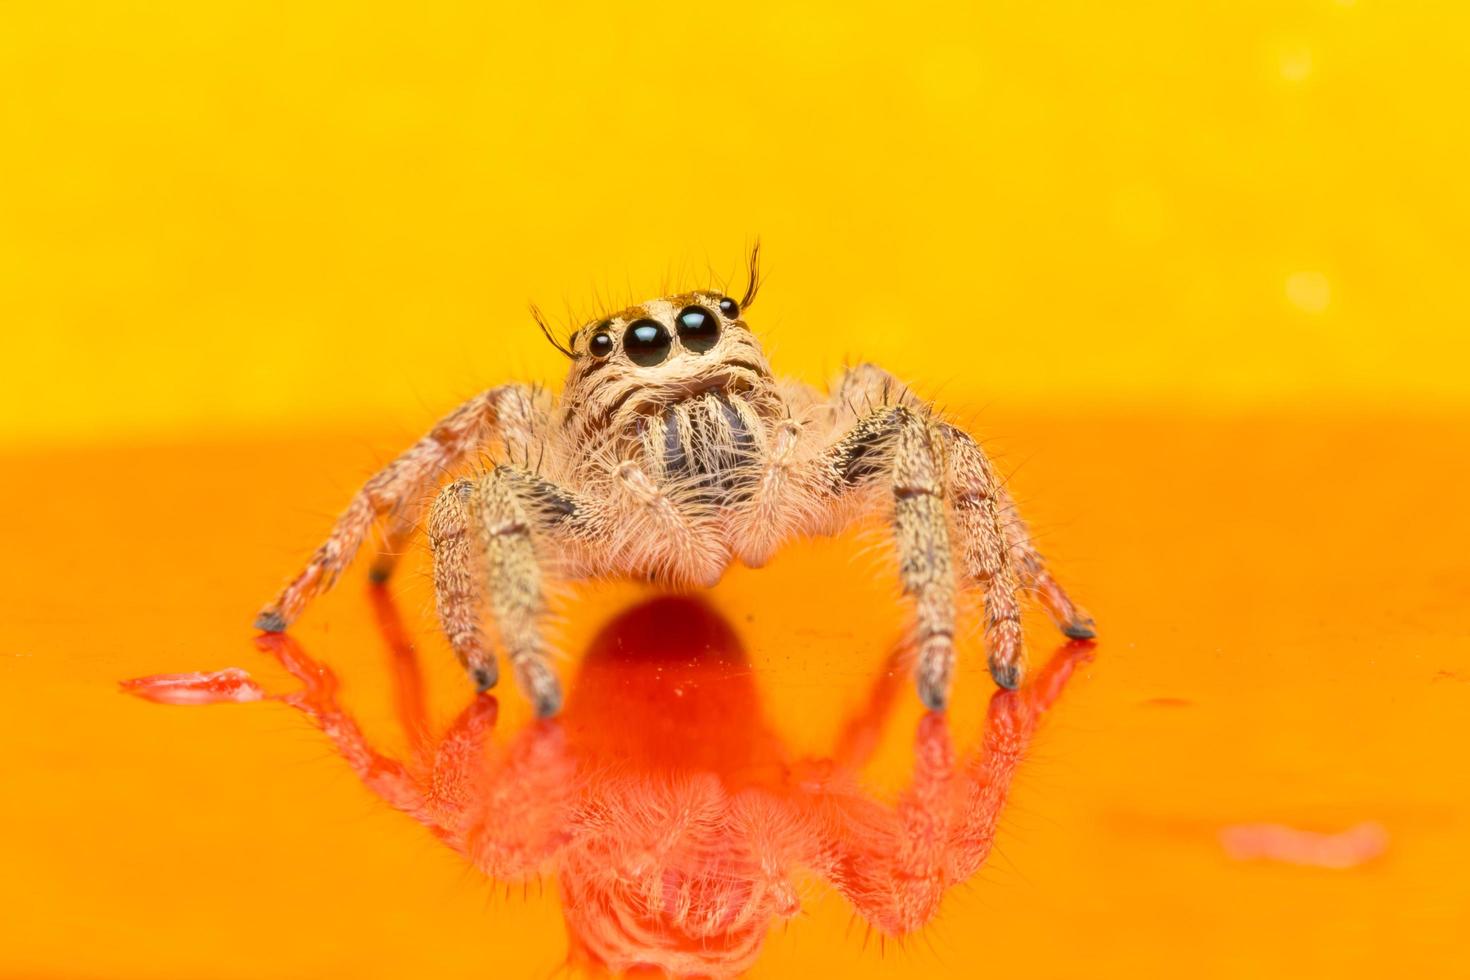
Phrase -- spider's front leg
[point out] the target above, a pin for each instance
(899, 444)
(511, 411)
(484, 554)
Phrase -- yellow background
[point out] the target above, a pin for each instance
(217, 215)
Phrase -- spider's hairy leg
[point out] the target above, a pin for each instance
(865, 388)
(459, 576)
(1028, 564)
(513, 575)
(900, 443)
(400, 530)
(974, 499)
(1070, 618)
(481, 533)
(510, 411)
(995, 547)
(924, 558)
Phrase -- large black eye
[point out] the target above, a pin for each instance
(699, 329)
(600, 345)
(729, 307)
(647, 342)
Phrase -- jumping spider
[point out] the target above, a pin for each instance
(672, 452)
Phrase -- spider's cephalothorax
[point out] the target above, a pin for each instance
(672, 452)
(680, 384)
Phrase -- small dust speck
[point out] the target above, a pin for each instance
(1166, 703)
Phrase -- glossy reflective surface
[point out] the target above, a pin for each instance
(1258, 773)
(663, 801)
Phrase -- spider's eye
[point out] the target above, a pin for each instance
(699, 329)
(647, 342)
(729, 307)
(600, 345)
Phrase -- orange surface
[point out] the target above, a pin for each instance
(1281, 600)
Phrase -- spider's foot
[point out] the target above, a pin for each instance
(485, 676)
(935, 698)
(270, 621)
(539, 684)
(1007, 675)
(936, 664)
(548, 703)
(382, 569)
(1081, 628)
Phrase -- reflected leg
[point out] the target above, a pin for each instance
(385, 776)
(1009, 725)
(889, 863)
(863, 731)
(443, 790)
(895, 866)
(408, 678)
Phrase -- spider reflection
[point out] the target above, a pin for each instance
(672, 815)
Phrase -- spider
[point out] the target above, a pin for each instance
(663, 800)
(673, 452)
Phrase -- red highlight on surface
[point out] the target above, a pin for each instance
(1288, 845)
(229, 686)
(672, 814)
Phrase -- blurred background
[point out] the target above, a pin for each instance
(1195, 272)
(232, 215)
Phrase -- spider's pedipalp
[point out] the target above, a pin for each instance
(657, 535)
(776, 508)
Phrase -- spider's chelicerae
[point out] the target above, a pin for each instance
(673, 451)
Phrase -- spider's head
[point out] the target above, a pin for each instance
(666, 350)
